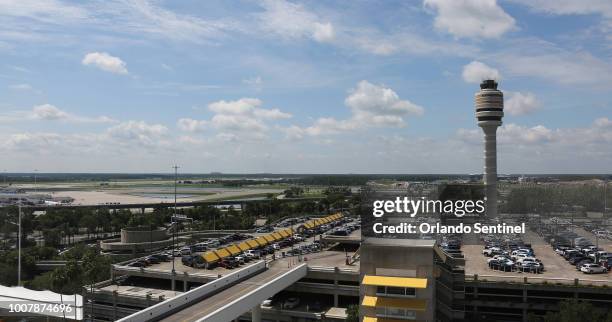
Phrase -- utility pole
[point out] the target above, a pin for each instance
(19, 248)
(173, 223)
(35, 186)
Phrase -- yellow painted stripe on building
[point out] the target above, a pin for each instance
(403, 303)
(233, 249)
(395, 281)
(210, 257)
(371, 319)
(252, 243)
(244, 246)
(261, 241)
(222, 253)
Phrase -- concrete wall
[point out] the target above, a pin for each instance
(142, 235)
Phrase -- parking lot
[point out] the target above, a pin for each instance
(556, 267)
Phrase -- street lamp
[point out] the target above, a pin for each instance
(18, 224)
(172, 222)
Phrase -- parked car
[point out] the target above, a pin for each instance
(291, 303)
(253, 254)
(593, 269)
(185, 251)
(491, 251)
(137, 264)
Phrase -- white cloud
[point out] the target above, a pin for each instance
(49, 11)
(254, 81)
(21, 87)
(323, 32)
(603, 122)
(244, 116)
(569, 7)
(271, 114)
(371, 106)
(544, 61)
(293, 21)
(475, 72)
(517, 103)
(138, 132)
(191, 125)
(105, 62)
(471, 18)
(49, 112)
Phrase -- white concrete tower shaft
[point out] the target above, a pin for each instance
(489, 103)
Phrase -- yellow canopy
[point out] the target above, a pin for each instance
(233, 249)
(309, 225)
(269, 238)
(222, 253)
(244, 246)
(284, 233)
(371, 319)
(394, 281)
(210, 257)
(411, 304)
(277, 235)
(261, 241)
(252, 243)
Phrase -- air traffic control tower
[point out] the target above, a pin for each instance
(489, 102)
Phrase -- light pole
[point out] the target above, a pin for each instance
(19, 248)
(35, 186)
(172, 223)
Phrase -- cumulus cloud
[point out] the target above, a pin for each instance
(244, 118)
(139, 132)
(191, 125)
(291, 20)
(599, 135)
(518, 103)
(471, 18)
(475, 72)
(48, 112)
(105, 62)
(371, 106)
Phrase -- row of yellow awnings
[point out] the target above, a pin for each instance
(235, 249)
(320, 221)
(403, 303)
(371, 319)
(410, 282)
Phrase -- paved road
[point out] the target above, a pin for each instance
(226, 296)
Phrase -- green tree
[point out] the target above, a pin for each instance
(352, 313)
(576, 311)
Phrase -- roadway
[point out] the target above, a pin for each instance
(213, 303)
(169, 204)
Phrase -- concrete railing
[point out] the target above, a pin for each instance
(538, 280)
(176, 303)
(236, 308)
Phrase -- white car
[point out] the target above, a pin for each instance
(600, 254)
(592, 269)
(491, 251)
(267, 303)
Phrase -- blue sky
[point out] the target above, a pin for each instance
(307, 87)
